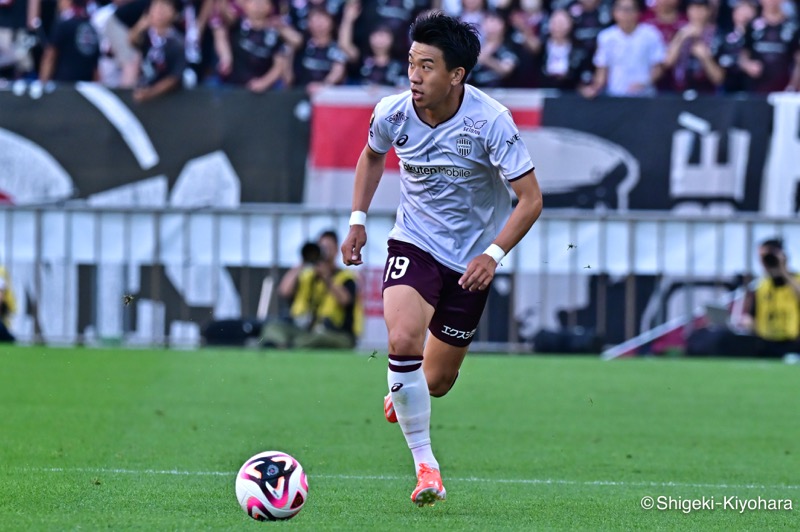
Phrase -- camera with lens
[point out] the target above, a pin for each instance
(311, 254)
(770, 259)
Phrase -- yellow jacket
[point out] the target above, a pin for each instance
(10, 302)
(777, 311)
(313, 299)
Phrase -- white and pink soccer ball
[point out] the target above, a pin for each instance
(271, 486)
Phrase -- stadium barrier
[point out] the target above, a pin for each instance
(141, 276)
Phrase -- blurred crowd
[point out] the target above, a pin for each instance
(615, 47)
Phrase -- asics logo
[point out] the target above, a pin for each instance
(396, 386)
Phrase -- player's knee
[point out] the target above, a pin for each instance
(404, 342)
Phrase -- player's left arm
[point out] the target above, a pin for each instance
(480, 270)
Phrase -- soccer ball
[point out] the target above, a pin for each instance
(271, 486)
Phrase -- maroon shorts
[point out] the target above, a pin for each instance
(456, 311)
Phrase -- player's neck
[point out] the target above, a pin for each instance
(445, 110)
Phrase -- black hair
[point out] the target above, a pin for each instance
(774, 243)
(382, 27)
(457, 40)
(331, 234)
(311, 253)
(319, 10)
(638, 4)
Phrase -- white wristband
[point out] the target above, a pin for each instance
(496, 252)
(358, 218)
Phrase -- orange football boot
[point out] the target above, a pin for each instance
(429, 488)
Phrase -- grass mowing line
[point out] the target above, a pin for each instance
(543, 481)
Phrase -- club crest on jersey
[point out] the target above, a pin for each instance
(397, 118)
(464, 146)
(473, 127)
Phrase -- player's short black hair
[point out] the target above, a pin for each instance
(457, 40)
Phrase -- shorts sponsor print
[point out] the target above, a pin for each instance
(456, 311)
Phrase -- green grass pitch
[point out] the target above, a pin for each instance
(151, 440)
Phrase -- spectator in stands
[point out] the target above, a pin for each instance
(109, 71)
(117, 33)
(8, 306)
(630, 55)
(589, 18)
(163, 58)
(731, 44)
(18, 20)
(73, 49)
(474, 12)
(224, 12)
(497, 60)
(667, 17)
(770, 57)
(326, 310)
(299, 11)
(527, 21)
(189, 24)
(377, 66)
(253, 51)
(565, 65)
(319, 62)
(690, 60)
(190, 20)
(397, 15)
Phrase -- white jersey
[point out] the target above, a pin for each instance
(629, 57)
(454, 200)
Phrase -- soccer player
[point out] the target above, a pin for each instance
(458, 147)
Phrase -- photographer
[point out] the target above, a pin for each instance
(310, 254)
(772, 310)
(326, 310)
(8, 306)
(766, 324)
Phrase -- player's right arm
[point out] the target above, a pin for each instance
(369, 171)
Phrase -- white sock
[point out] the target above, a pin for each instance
(412, 405)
